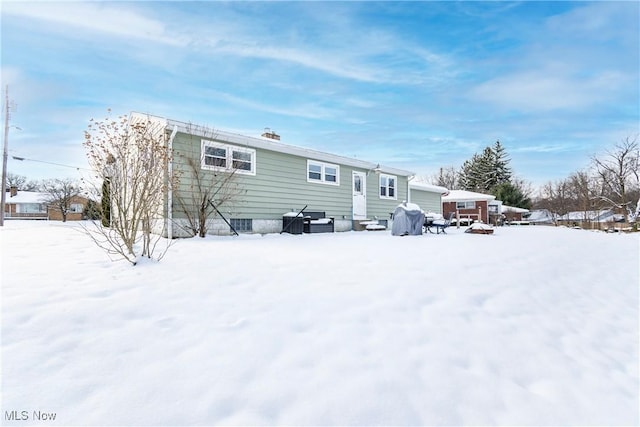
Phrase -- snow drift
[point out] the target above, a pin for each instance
(532, 326)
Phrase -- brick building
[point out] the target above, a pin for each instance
(467, 205)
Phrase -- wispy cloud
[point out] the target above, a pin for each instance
(409, 64)
(321, 61)
(307, 110)
(544, 148)
(542, 90)
(421, 83)
(109, 18)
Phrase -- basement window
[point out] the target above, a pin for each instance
(242, 225)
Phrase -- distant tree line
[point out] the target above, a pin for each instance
(21, 184)
(610, 181)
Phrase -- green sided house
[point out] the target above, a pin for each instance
(272, 179)
(427, 196)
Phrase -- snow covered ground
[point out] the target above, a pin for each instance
(528, 326)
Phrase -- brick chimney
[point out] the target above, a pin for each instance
(268, 133)
(13, 191)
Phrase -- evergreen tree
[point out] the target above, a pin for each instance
(471, 174)
(501, 164)
(484, 172)
(106, 203)
(512, 195)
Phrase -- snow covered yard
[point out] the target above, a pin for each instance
(528, 326)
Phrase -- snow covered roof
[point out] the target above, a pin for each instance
(27, 197)
(269, 144)
(604, 215)
(540, 215)
(423, 186)
(513, 209)
(465, 196)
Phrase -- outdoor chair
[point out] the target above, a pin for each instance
(440, 224)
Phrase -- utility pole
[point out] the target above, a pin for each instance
(4, 156)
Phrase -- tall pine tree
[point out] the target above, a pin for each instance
(484, 172)
(501, 164)
(512, 195)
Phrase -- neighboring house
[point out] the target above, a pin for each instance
(276, 178)
(467, 205)
(25, 205)
(540, 217)
(76, 210)
(514, 214)
(495, 212)
(427, 196)
(34, 205)
(582, 217)
(500, 213)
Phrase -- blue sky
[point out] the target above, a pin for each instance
(415, 85)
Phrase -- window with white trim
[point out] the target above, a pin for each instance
(227, 158)
(388, 186)
(466, 205)
(323, 173)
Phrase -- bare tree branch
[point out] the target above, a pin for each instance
(132, 157)
(60, 193)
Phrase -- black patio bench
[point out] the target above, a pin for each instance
(317, 222)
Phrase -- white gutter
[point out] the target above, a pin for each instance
(271, 145)
(409, 178)
(170, 186)
(430, 187)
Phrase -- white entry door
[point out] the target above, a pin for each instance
(359, 195)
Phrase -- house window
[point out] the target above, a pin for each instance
(388, 187)
(241, 160)
(76, 208)
(30, 208)
(215, 156)
(242, 225)
(357, 184)
(466, 205)
(324, 173)
(228, 158)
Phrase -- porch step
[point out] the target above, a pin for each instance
(367, 224)
(375, 227)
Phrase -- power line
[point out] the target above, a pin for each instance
(49, 163)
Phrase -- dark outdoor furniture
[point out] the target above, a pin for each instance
(317, 222)
(293, 224)
(439, 224)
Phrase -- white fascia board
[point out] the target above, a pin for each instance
(136, 117)
(428, 187)
(513, 209)
(466, 196)
(268, 144)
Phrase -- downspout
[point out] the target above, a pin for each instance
(170, 187)
(409, 178)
